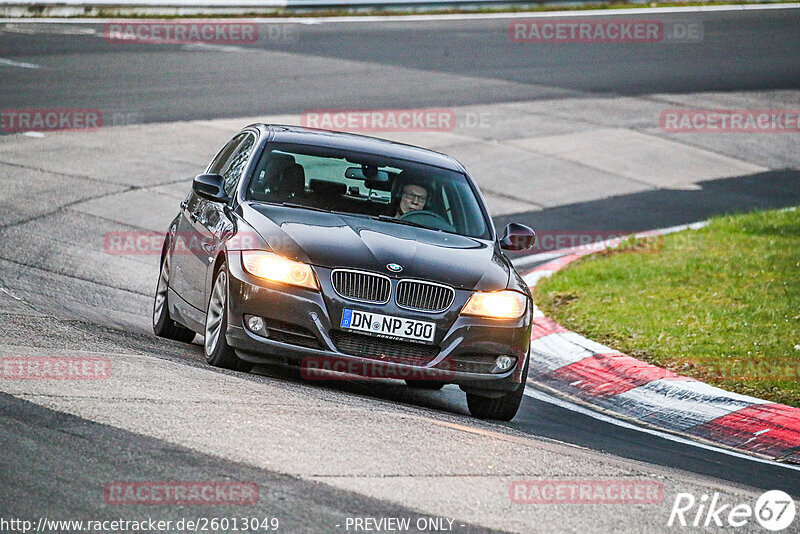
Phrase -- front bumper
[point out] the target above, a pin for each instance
(459, 339)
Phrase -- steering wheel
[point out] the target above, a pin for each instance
(428, 219)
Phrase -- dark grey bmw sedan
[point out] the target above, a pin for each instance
(348, 255)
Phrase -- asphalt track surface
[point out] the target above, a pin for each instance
(56, 464)
(366, 65)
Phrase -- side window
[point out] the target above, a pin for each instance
(454, 209)
(235, 165)
(446, 205)
(221, 159)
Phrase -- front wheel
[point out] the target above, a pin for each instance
(215, 347)
(501, 408)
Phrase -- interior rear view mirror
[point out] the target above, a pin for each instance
(364, 172)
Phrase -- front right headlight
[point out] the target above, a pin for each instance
(495, 304)
(276, 268)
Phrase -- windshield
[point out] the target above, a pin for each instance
(365, 184)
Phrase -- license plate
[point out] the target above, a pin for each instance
(387, 326)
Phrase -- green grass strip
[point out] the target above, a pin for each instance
(721, 304)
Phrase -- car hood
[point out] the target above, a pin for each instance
(337, 240)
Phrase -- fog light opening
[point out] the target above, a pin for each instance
(255, 324)
(504, 363)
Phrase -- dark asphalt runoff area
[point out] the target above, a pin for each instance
(67, 478)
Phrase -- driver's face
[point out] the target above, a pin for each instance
(413, 199)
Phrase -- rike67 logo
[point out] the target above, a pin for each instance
(774, 511)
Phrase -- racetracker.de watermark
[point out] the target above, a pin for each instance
(170, 32)
(381, 120)
(610, 31)
(605, 491)
(730, 121)
(144, 243)
(594, 241)
(331, 368)
(55, 368)
(180, 493)
(233, 523)
(50, 120)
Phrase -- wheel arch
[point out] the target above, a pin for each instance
(222, 258)
(211, 276)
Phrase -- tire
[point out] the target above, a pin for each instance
(163, 325)
(501, 408)
(215, 347)
(244, 366)
(425, 384)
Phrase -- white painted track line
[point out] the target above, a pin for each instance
(561, 403)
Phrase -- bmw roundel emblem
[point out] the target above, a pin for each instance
(394, 267)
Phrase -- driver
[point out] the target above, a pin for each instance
(412, 198)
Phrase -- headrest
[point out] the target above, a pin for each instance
(326, 187)
(293, 181)
(279, 162)
(379, 186)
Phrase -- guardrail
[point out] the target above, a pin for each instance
(152, 8)
(274, 3)
(72, 8)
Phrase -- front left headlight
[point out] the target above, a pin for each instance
(275, 268)
(495, 304)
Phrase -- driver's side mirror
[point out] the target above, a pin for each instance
(518, 237)
(210, 187)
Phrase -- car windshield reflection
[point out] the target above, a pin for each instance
(368, 185)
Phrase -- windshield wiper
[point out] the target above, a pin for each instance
(312, 208)
(389, 218)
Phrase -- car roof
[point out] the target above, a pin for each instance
(358, 143)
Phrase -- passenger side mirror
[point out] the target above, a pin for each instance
(518, 237)
(210, 187)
